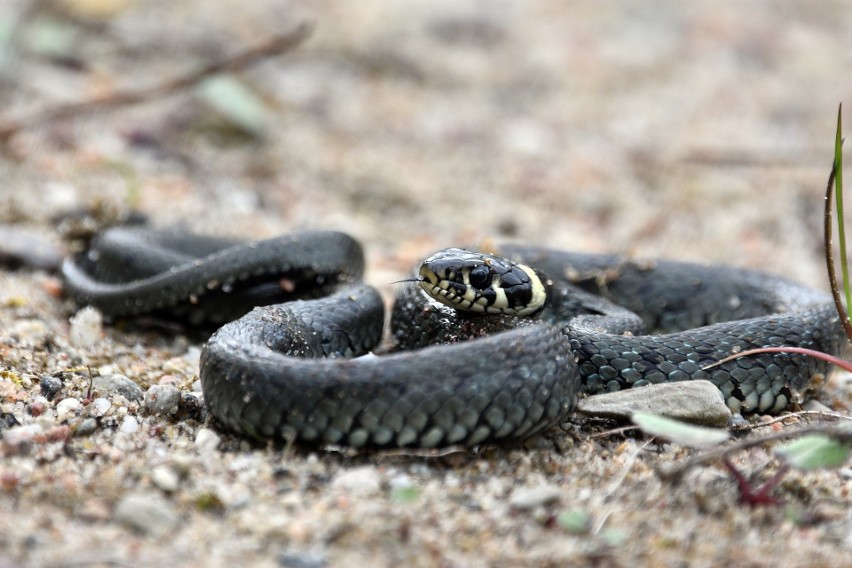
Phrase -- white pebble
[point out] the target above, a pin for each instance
(401, 481)
(206, 440)
(86, 328)
(358, 481)
(150, 514)
(530, 497)
(129, 425)
(67, 407)
(99, 407)
(165, 478)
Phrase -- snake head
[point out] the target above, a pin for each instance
(483, 283)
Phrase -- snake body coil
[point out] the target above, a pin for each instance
(286, 370)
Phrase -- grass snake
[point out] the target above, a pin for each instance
(561, 323)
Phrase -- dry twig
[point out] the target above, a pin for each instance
(274, 46)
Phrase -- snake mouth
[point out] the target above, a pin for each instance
(482, 283)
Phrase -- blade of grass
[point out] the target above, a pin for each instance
(829, 257)
(838, 198)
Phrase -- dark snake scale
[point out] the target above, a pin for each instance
(293, 369)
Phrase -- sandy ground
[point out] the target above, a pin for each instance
(698, 130)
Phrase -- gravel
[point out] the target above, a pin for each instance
(699, 131)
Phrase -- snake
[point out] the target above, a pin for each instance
(484, 348)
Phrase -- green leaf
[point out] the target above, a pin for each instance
(236, 103)
(405, 494)
(814, 451)
(574, 521)
(614, 537)
(679, 432)
(50, 38)
(839, 210)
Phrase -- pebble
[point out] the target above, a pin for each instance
(67, 407)
(38, 406)
(525, 498)
(206, 441)
(292, 559)
(165, 478)
(401, 481)
(86, 427)
(99, 407)
(358, 481)
(147, 513)
(697, 402)
(162, 399)
(118, 384)
(50, 386)
(129, 425)
(86, 328)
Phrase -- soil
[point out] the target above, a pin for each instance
(699, 131)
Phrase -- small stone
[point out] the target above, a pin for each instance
(206, 441)
(190, 407)
(86, 427)
(293, 559)
(162, 399)
(165, 478)
(697, 402)
(37, 408)
(129, 425)
(99, 407)
(7, 420)
(118, 384)
(401, 481)
(525, 498)
(86, 328)
(67, 407)
(50, 386)
(360, 481)
(146, 513)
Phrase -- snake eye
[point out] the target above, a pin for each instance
(480, 277)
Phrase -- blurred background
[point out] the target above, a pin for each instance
(693, 130)
(698, 130)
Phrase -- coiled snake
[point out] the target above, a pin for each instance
(292, 369)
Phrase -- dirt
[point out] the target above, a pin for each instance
(699, 131)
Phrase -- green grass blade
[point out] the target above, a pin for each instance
(838, 197)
